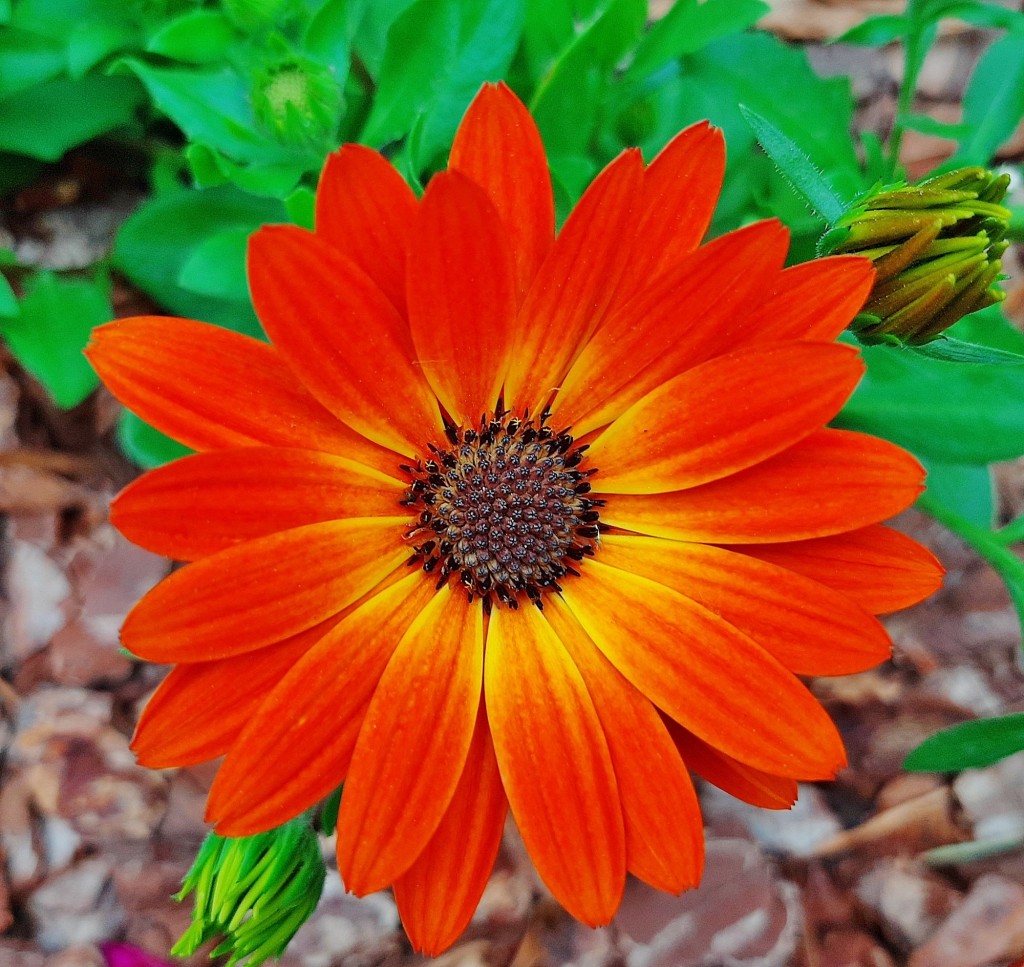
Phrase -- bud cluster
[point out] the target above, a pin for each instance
(936, 248)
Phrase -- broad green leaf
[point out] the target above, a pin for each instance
(419, 42)
(549, 28)
(216, 266)
(93, 41)
(967, 490)
(49, 334)
(988, 15)
(145, 445)
(687, 27)
(75, 111)
(876, 31)
(329, 34)
(5, 11)
(371, 36)
(197, 37)
(58, 18)
(796, 167)
(8, 300)
(568, 100)
(488, 35)
(271, 180)
(969, 745)
(989, 327)
(993, 103)
(156, 240)
(27, 59)
(570, 175)
(944, 411)
(301, 207)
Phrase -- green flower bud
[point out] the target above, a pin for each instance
(936, 247)
(253, 891)
(298, 101)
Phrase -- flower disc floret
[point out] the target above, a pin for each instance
(504, 508)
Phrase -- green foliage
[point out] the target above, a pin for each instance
(969, 745)
(50, 328)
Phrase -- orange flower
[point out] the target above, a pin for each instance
(409, 574)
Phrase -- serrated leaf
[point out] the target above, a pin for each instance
(575, 85)
(418, 43)
(75, 112)
(48, 335)
(145, 445)
(993, 103)
(969, 745)
(875, 31)
(155, 241)
(958, 351)
(796, 167)
(196, 37)
(27, 59)
(687, 27)
(940, 410)
(216, 266)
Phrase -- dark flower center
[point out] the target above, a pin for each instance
(504, 507)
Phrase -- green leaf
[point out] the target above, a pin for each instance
(935, 129)
(216, 266)
(8, 300)
(958, 351)
(301, 207)
(988, 15)
(197, 37)
(330, 32)
(940, 410)
(687, 27)
(48, 336)
(876, 31)
(969, 745)
(797, 168)
(92, 42)
(371, 36)
(968, 490)
(993, 103)
(26, 59)
(418, 43)
(569, 98)
(157, 239)
(145, 445)
(5, 11)
(488, 35)
(989, 327)
(75, 111)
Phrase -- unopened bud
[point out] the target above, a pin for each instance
(253, 891)
(936, 248)
(298, 101)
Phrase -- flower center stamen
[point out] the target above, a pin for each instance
(504, 507)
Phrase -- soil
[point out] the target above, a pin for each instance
(877, 869)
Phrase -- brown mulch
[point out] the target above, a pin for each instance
(880, 868)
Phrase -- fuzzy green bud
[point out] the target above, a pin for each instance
(298, 101)
(936, 247)
(253, 891)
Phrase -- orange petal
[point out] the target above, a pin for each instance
(575, 285)
(682, 320)
(810, 628)
(498, 146)
(211, 388)
(437, 895)
(734, 777)
(413, 745)
(664, 831)
(200, 709)
(555, 764)
(815, 300)
(705, 674)
(263, 591)
(342, 336)
(297, 746)
(881, 569)
(681, 187)
(461, 296)
(365, 209)
(723, 416)
(205, 503)
(832, 481)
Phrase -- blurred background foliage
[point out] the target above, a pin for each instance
(226, 111)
